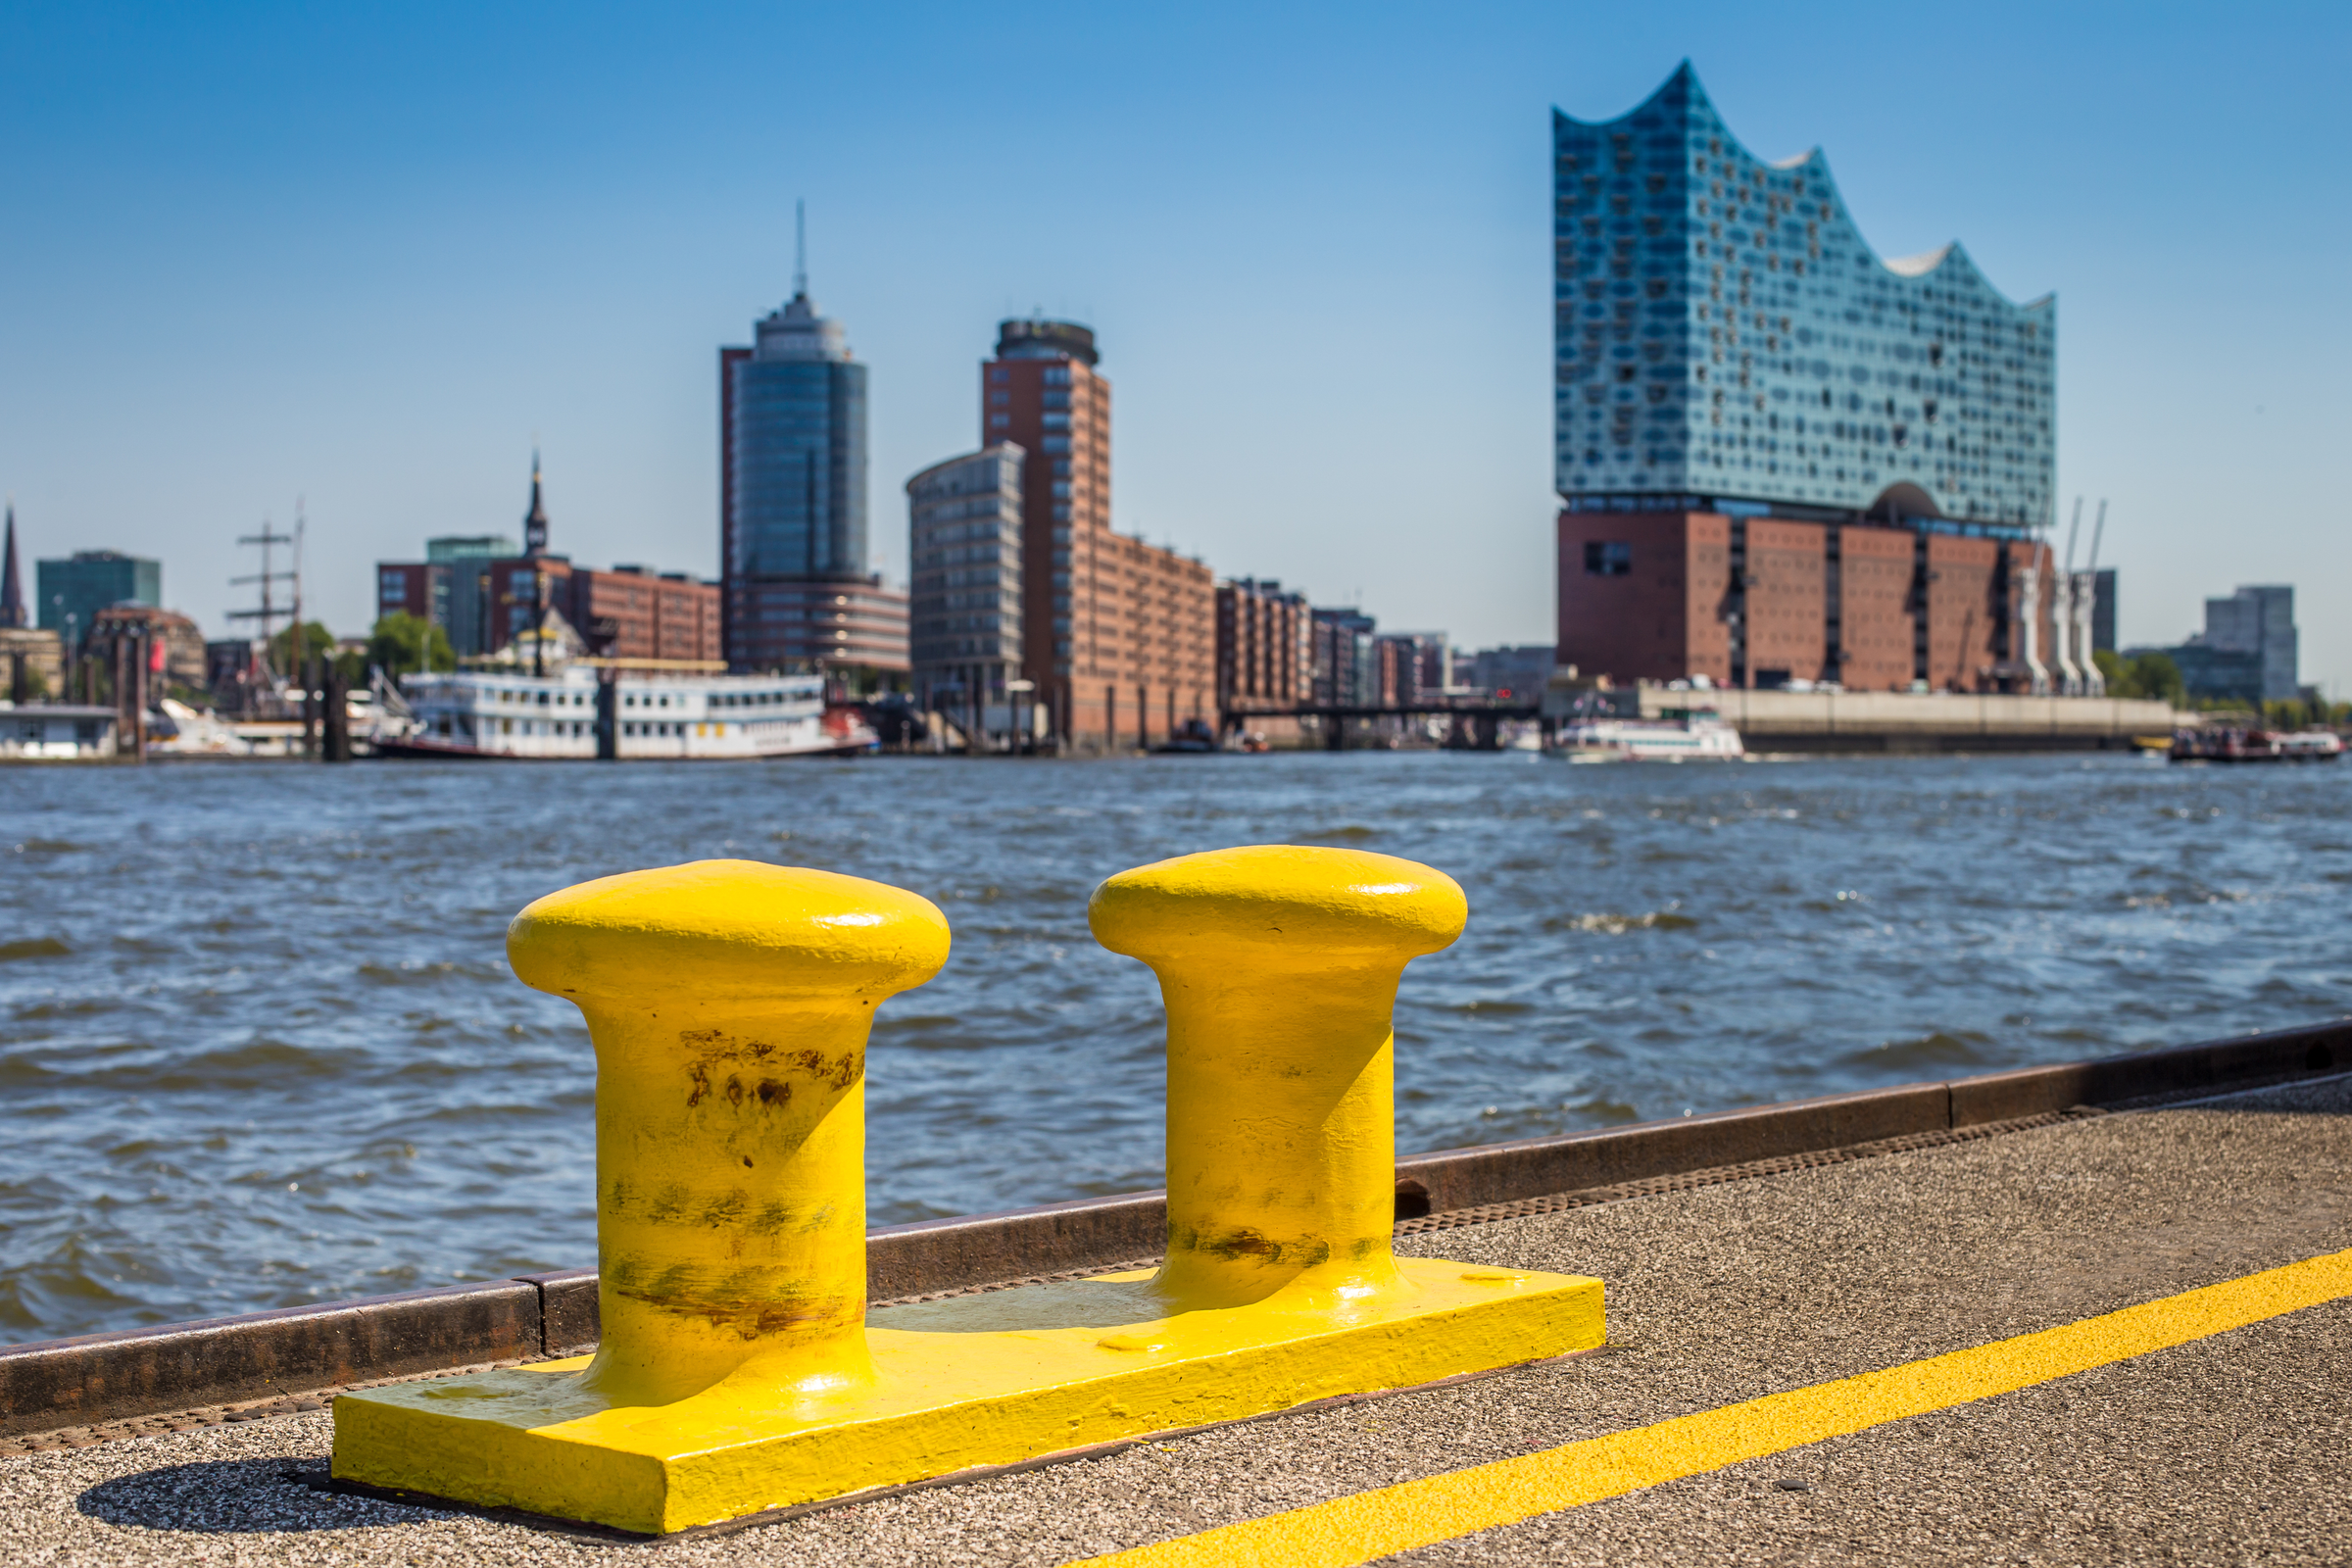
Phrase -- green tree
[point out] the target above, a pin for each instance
(2150, 674)
(401, 643)
(287, 656)
(2298, 714)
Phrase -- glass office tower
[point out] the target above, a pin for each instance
(69, 594)
(793, 487)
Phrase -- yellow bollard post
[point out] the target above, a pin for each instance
(730, 1004)
(1278, 967)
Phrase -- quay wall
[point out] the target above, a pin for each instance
(1919, 721)
(49, 1385)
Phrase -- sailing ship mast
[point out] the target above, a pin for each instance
(266, 613)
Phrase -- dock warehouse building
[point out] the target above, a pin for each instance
(1781, 459)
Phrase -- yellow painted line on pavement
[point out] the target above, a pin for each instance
(1369, 1525)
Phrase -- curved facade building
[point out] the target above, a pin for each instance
(1723, 331)
(964, 561)
(1784, 461)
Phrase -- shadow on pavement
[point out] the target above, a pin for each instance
(236, 1496)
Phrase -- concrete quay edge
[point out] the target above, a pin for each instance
(258, 1355)
(1922, 721)
(49, 1385)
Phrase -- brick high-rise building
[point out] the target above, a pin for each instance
(1118, 635)
(1265, 647)
(1347, 659)
(419, 588)
(1415, 666)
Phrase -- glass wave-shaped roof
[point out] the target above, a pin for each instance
(1723, 332)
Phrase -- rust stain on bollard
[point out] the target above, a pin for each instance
(729, 1002)
(1279, 968)
(740, 1371)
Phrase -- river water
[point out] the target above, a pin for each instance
(258, 1045)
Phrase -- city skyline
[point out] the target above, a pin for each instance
(379, 313)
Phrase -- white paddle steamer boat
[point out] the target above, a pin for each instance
(655, 715)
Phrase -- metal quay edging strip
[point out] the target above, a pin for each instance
(265, 1359)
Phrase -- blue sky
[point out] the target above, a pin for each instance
(364, 256)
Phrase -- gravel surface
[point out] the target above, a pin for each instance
(2228, 1450)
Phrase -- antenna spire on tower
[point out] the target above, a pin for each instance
(800, 248)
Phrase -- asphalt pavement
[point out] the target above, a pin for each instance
(2232, 1449)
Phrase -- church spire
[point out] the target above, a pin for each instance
(11, 586)
(534, 522)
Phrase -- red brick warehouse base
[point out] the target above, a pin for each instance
(1650, 596)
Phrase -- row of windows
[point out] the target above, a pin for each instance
(526, 697)
(933, 591)
(676, 731)
(565, 730)
(927, 533)
(988, 500)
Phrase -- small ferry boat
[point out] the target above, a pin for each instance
(1691, 737)
(2232, 745)
(655, 715)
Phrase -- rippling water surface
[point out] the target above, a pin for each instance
(258, 1045)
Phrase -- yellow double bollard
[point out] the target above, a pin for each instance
(739, 1369)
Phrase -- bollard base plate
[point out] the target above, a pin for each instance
(969, 1383)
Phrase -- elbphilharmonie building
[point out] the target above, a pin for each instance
(1731, 351)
